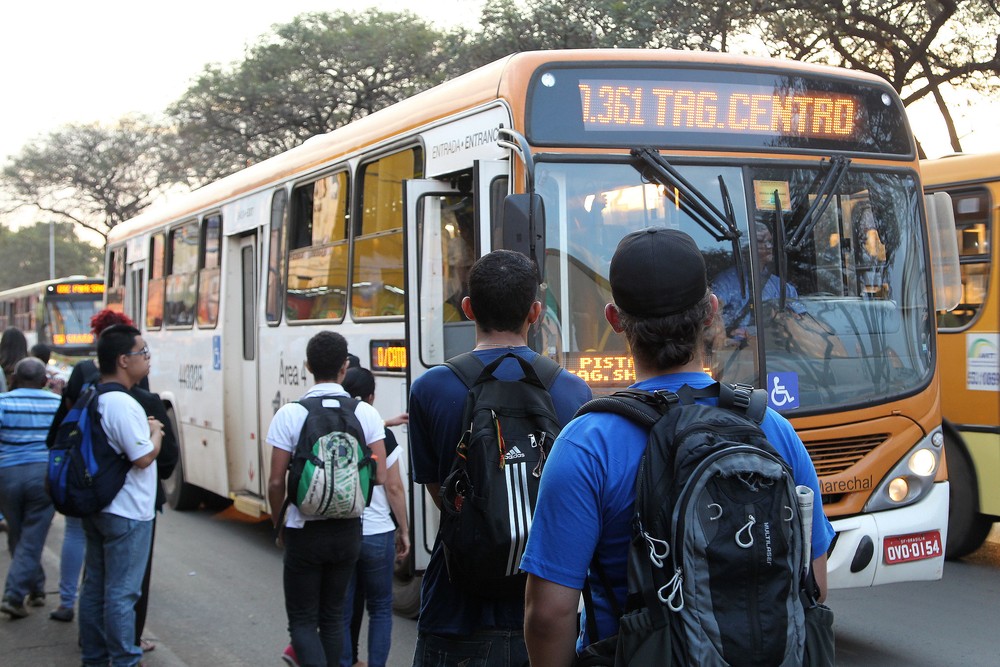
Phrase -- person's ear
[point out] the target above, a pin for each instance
(714, 301)
(613, 316)
(534, 312)
(467, 308)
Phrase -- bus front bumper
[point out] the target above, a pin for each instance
(860, 557)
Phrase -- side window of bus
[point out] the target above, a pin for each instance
(972, 222)
(377, 275)
(115, 292)
(157, 265)
(182, 276)
(317, 257)
(210, 274)
(275, 258)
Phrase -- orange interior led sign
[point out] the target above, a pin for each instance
(80, 288)
(388, 356)
(610, 105)
(601, 370)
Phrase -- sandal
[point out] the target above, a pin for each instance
(146, 645)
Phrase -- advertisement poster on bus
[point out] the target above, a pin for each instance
(982, 362)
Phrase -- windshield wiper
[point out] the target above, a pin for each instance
(696, 205)
(838, 169)
(781, 258)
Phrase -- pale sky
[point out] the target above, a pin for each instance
(67, 61)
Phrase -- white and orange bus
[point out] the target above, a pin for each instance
(969, 344)
(369, 230)
(57, 313)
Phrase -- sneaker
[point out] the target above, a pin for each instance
(36, 599)
(63, 614)
(15, 610)
(289, 656)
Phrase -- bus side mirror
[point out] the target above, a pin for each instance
(522, 221)
(945, 271)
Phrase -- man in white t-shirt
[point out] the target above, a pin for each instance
(119, 537)
(320, 553)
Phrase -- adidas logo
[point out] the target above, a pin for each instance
(513, 453)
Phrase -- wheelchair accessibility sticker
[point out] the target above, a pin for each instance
(783, 391)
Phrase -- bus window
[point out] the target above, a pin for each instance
(317, 259)
(275, 258)
(157, 263)
(182, 278)
(208, 281)
(377, 288)
(972, 220)
(115, 292)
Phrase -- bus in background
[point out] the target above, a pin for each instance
(969, 344)
(370, 231)
(57, 313)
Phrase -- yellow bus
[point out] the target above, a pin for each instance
(369, 230)
(969, 344)
(57, 313)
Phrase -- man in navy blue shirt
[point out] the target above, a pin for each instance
(454, 625)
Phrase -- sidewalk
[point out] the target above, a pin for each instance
(37, 641)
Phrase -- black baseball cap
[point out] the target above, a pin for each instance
(657, 272)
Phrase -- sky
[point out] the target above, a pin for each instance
(67, 61)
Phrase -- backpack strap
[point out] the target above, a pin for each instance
(743, 398)
(643, 407)
(470, 369)
(467, 367)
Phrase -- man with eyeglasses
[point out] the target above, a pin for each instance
(119, 537)
(734, 303)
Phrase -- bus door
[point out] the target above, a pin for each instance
(240, 350)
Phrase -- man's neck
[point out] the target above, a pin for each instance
(495, 339)
(643, 372)
(120, 378)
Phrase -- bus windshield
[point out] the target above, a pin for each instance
(830, 308)
(69, 320)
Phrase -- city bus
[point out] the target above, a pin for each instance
(57, 313)
(370, 230)
(969, 344)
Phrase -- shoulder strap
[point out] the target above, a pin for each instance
(541, 372)
(743, 398)
(643, 407)
(467, 367)
(547, 370)
(108, 387)
(313, 403)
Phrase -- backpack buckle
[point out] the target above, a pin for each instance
(666, 398)
(741, 395)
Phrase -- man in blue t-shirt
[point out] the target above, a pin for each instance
(502, 301)
(662, 306)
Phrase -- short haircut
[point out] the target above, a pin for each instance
(502, 287)
(666, 342)
(359, 382)
(41, 351)
(326, 353)
(30, 373)
(116, 340)
(106, 318)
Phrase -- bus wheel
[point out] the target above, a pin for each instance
(181, 496)
(406, 595)
(967, 528)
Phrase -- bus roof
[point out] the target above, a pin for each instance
(963, 168)
(34, 288)
(502, 79)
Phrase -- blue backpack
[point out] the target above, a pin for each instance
(85, 473)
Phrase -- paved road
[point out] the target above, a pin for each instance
(217, 601)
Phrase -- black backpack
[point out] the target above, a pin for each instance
(489, 495)
(717, 562)
(331, 471)
(85, 473)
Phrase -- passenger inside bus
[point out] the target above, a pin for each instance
(872, 267)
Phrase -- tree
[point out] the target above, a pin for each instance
(306, 77)
(24, 254)
(92, 175)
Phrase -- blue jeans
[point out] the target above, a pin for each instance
(483, 648)
(29, 515)
(71, 561)
(319, 563)
(374, 569)
(117, 551)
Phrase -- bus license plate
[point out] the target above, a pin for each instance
(905, 548)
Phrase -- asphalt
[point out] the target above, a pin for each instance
(37, 641)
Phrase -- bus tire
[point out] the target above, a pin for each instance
(181, 496)
(406, 595)
(967, 528)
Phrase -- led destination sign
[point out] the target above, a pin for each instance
(616, 105)
(66, 289)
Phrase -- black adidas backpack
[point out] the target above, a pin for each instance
(84, 472)
(716, 565)
(489, 495)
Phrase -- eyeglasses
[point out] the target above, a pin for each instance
(144, 352)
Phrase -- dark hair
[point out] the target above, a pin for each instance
(106, 318)
(359, 382)
(116, 340)
(13, 348)
(502, 287)
(30, 373)
(669, 341)
(41, 351)
(326, 353)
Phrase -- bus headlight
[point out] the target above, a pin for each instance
(910, 479)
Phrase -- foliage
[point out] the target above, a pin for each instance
(24, 254)
(92, 175)
(306, 77)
